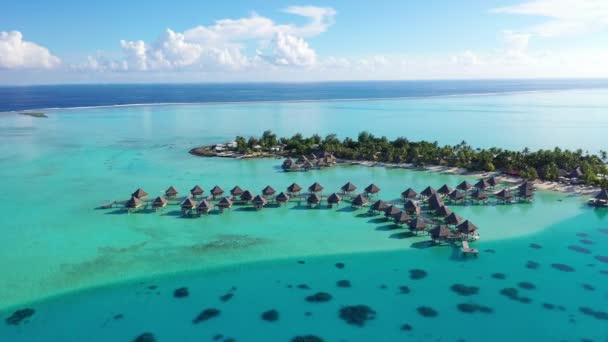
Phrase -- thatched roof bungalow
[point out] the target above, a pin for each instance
(359, 201)
(139, 193)
(409, 194)
(224, 203)
(464, 186)
(171, 192)
(444, 190)
(159, 202)
(217, 191)
(428, 192)
(334, 199)
(268, 191)
(294, 189)
(236, 191)
(259, 202)
(348, 187)
(315, 187)
(246, 196)
(372, 189)
(134, 203)
(466, 227)
(196, 191)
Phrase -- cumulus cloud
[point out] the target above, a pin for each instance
(222, 45)
(466, 58)
(16, 53)
(290, 50)
(564, 16)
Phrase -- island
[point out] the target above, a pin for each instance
(34, 114)
(315, 152)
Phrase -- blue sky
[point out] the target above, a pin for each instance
(203, 41)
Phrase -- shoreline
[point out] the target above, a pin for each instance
(581, 189)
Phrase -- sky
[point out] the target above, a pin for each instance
(69, 41)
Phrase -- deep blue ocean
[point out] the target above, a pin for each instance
(15, 98)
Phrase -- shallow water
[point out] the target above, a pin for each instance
(55, 172)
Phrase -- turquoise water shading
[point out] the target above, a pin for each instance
(274, 285)
(55, 171)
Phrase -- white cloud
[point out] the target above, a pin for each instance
(466, 58)
(16, 53)
(290, 50)
(222, 46)
(564, 16)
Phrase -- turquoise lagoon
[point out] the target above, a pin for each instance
(79, 267)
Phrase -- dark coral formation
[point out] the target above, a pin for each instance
(579, 249)
(562, 267)
(602, 258)
(152, 287)
(340, 265)
(586, 242)
(270, 315)
(145, 337)
(513, 294)
(319, 297)
(301, 262)
(181, 292)
(303, 287)
(118, 316)
(491, 251)
(473, 308)
(19, 316)
(549, 306)
(526, 285)
(535, 246)
(464, 290)
(533, 265)
(307, 338)
(404, 289)
(205, 315)
(499, 276)
(226, 297)
(343, 283)
(427, 311)
(588, 287)
(601, 315)
(357, 314)
(417, 274)
(406, 327)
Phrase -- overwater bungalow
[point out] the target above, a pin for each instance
(379, 205)
(527, 185)
(435, 202)
(464, 186)
(479, 195)
(482, 184)
(601, 199)
(428, 192)
(409, 194)
(391, 211)
(456, 196)
(492, 181)
(217, 191)
(188, 205)
(315, 187)
(303, 159)
(453, 219)
(359, 201)
(282, 198)
(171, 192)
(224, 203)
(440, 233)
(196, 191)
(348, 188)
(236, 191)
(443, 211)
(402, 218)
(288, 163)
(417, 225)
(139, 193)
(133, 204)
(159, 202)
(307, 165)
(466, 227)
(412, 207)
(334, 199)
(204, 207)
(313, 199)
(525, 193)
(246, 196)
(268, 191)
(293, 189)
(504, 195)
(444, 190)
(371, 189)
(259, 202)
(321, 163)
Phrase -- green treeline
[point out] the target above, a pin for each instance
(542, 164)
